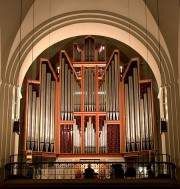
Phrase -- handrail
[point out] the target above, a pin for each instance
(102, 170)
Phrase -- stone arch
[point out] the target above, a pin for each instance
(95, 23)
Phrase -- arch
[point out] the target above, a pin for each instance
(91, 23)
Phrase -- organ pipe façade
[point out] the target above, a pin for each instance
(94, 106)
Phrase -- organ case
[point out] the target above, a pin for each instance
(94, 107)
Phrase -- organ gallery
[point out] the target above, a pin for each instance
(89, 104)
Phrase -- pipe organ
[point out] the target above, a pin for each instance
(89, 106)
(138, 110)
(40, 110)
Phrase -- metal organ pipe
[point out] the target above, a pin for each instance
(136, 100)
(110, 93)
(101, 94)
(131, 102)
(76, 138)
(77, 94)
(65, 91)
(116, 87)
(62, 88)
(33, 119)
(37, 123)
(47, 124)
(111, 80)
(138, 111)
(43, 103)
(86, 89)
(150, 116)
(128, 129)
(72, 85)
(28, 133)
(113, 90)
(41, 112)
(53, 86)
(69, 95)
(93, 96)
(146, 120)
(143, 138)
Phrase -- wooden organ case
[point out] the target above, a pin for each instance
(88, 105)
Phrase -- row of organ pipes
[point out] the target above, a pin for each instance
(112, 87)
(89, 138)
(68, 83)
(138, 123)
(89, 90)
(138, 112)
(41, 113)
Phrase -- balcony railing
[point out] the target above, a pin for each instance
(102, 170)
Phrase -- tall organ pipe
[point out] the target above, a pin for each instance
(150, 116)
(86, 90)
(52, 115)
(128, 129)
(112, 89)
(146, 120)
(28, 133)
(107, 95)
(110, 94)
(43, 103)
(116, 86)
(33, 119)
(47, 125)
(62, 88)
(72, 99)
(131, 101)
(136, 100)
(69, 94)
(66, 92)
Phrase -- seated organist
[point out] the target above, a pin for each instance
(89, 172)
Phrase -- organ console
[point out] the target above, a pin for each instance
(92, 105)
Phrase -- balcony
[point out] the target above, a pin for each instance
(114, 174)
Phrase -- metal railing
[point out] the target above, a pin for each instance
(102, 170)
